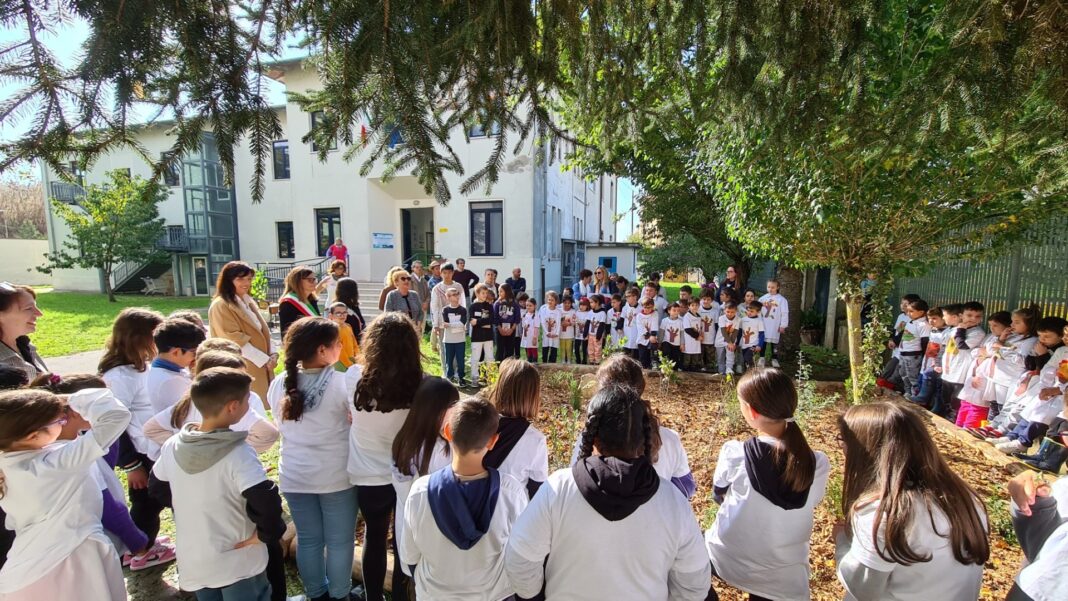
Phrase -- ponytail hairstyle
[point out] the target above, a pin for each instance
(130, 342)
(517, 392)
(303, 340)
(422, 427)
(771, 393)
(621, 370)
(890, 458)
(205, 360)
(619, 423)
(23, 412)
(392, 364)
(68, 384)
(1030, 316)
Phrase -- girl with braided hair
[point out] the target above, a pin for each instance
(610, 526)
(310, 405)
(767, 488)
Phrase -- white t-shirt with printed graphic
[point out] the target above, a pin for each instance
(751, 330)
(550, 326)
(567, 324)
(529, 327)
(672, 330)
(646, 323)
(691, 345)
(630, 324)
(776, 314)
(727, 328)
(709, 322)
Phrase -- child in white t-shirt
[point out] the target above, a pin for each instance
(727, 334)
(775, 310)
(647, 327)
(51, 500)
(310, 404)
(913, 345)
(752, 334)
(567, 330)
(168, 375)
(770, 483)
(614, 318)
(978, 390)
(225, 507)
(598, 327)
(530, 325)
(943, 537)
(709, 311)
(691, 336)
(609, 510)
(671, 327)
(582, 331)
(549, 317)
(458, 518)
(890, 377)
(629, 313)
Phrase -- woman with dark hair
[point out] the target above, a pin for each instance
(298, 300)
(385, 380)
(18, 319)
(234, 315)
(348, 292)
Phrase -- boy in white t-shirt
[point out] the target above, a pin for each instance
(457, 519)
(913, 345)
(752, 334)
(709, 311)
(550, 317)
(691, 336)
(629, 313)
(176, 349)
(727, 333)
(646, 327)
(775, 310)
(225, 507)
(889, 378)
(671, 327)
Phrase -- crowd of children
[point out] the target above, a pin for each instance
(464, 483)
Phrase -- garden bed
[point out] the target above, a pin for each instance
(703, 410)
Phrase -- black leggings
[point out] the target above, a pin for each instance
(548, 354)
(145, 508)
(377, 504)
(582, 351)
(508, 347)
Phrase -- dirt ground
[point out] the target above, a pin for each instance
(705, 415)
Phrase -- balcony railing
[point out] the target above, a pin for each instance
(67, 193)
(174, 239)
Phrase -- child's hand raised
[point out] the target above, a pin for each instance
(1025, 488)
(248, 542)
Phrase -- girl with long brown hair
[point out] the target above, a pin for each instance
(767, 488)
(384, 380)
(914, 529)
(521, 450)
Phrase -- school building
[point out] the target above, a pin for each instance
(549, 222)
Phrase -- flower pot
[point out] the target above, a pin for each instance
(263, 304)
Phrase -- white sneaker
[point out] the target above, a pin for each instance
(998, 440)
(775, 363)
(1013, 446)
(761, 362)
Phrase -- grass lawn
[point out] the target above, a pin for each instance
(74, 321)
(671, 289)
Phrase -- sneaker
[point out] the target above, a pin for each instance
(464, 383)
(775, 363)
(998, 440)
(761, 363)
(127, 557)
(159, 554)
(1010, 447)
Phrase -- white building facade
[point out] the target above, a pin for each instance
(537, 217)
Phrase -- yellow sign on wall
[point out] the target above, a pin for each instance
(443, 230)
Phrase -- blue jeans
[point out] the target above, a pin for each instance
(325, 522)
(255, 588)
(454, 359)
(930, 388)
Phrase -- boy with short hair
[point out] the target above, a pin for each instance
(454, 336)
(930, 386)
(727, 338)
(225, 507)
(629, 314)
(685, 294)
(752, 334)
(168, 378)
(709, 311)
(646, 325)
(549, 316)
(438, 301)
(672, 327)
(481, 330)
(691, 339)
(965, 339)
(775, 310)
(457, 519)
(913, 345)
(889, 377)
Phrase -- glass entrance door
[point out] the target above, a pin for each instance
(327, 228)
(201, 282)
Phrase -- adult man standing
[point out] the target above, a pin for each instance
(339, 251)
(465, 278)
(491, 281)
(438, 301)
(517, 281)
(421, 285)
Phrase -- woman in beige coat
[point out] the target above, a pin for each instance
(235, 316)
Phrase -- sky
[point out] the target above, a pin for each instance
(65, 41)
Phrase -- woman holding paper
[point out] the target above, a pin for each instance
(235, 316)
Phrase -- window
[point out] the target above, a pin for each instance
(285, 240)
(396, 137)
(172, 173)
(318, 117)
(487, 228)
(281, 159)
(327, 228)
(483, 131)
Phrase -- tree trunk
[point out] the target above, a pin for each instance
(107, 286)
(854, 304)
(790, 284)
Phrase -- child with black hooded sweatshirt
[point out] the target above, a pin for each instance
(610, 526)
(769, 484)
(457, 519)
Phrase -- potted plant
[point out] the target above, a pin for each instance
(258, 291)
(812, 325)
